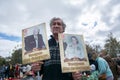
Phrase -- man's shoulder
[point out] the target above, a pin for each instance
(51, 39)
(39, 34)
(30, 36)
(100, 58)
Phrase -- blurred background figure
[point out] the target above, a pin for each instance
(103, 67)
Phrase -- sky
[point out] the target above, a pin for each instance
(94, 19)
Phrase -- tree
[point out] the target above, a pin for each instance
(16, 56)
(112, 45)
(89, 48)
(2, 61)
(97, 48)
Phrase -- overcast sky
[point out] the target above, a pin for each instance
(94, 19)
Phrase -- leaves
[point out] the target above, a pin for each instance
(16, 56)
(112, 45)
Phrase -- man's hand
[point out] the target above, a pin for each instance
(76, 75)
(36, 66)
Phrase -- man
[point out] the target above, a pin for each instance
(34, 42)
(51, 68)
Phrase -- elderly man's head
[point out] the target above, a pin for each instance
(57, 25)
(36, 31)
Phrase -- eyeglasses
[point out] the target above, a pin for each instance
(57, 23)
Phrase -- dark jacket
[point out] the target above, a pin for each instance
(30, 42)
(51, 69)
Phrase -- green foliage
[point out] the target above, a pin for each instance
(16, 56)
(93, 76)
(112, 46)
(84, 78)
(89, 48)
(2, 61)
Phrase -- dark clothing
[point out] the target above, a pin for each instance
(2, 72)
(94, 62)
(51, 68)
(91, 61)
(7, 71)
(118, 62)
(30, 42)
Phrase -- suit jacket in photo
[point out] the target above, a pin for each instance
(30, 42)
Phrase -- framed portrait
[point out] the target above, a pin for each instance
(34, 44)
(73, 53)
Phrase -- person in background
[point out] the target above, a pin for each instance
(103, 67)
(11, 72)
(2, 71)
(29, 74)
(17, 72)
(7, 70)
(118, 66)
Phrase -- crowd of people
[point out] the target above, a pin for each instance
(17, 72)
(9, 71)
(97, 63)
(51, 69)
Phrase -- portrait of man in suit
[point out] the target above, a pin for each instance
(34, 42)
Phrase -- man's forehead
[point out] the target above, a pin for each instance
(57, 20)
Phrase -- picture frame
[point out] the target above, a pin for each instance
(35, 44)
(73, 53)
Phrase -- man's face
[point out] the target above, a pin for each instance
(36, 32)
(57, 27)
(94, 56)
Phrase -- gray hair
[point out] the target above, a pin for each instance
(55, 18)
